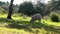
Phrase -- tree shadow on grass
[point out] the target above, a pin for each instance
(28, 27)
(5, 20)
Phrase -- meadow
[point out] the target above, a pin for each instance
(20, 25)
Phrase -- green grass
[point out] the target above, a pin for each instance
(19, 25)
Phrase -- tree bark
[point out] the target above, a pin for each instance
(10, 10)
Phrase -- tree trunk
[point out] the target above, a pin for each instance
(10, 10)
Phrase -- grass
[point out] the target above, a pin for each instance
(19, 25)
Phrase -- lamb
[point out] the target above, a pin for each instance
(36, 17)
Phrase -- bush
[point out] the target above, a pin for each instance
(54, 17)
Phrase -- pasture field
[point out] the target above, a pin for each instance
(20, 25)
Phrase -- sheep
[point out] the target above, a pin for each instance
(36, 17)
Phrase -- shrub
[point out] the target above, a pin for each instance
(54, 17)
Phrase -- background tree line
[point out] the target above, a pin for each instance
(28, 8)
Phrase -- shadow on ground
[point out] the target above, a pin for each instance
(27, 26)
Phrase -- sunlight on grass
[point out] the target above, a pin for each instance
(18, 17)
(15, 31)
(12, 31)
(51, 23)
(3, 15)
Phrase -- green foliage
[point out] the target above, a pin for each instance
(4, 7)
(26, 8)
(1, 3)
(54, 17)
(40, 8)
(55, 4)
(2, 10)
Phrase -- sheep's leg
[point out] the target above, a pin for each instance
(39, 20)
(31, 21)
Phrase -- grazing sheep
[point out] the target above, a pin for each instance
(36, 17)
